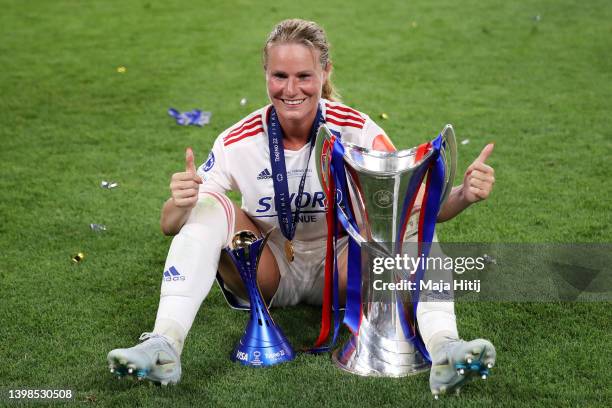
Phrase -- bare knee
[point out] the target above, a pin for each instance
(268, 274)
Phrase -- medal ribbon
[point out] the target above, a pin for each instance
(282, 199)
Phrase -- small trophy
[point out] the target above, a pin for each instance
(263, 343)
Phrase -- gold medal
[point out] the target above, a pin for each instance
(289, 253)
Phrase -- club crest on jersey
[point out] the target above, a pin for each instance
(210, 162)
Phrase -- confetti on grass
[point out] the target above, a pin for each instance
(109, 184)
(195, 117)
(489, 259)
(78, 257)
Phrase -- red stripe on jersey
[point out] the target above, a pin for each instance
(344, 123)
(344, 116)
(243, 130)
(245, 125)
(343, 109)
(244, 135)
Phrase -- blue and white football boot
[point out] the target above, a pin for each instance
(456, 362)
(154, 359)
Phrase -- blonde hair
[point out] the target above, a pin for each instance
(307, 33)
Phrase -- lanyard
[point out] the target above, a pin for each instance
(282, 199)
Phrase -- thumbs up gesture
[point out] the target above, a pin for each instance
(479, 177)
(184, 185)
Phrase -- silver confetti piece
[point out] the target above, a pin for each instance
(465, 141)
(97, 227)
(205, 120)
(489, 259)
(243, 101)
(109, 184)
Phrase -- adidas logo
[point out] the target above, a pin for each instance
(265, 174)
(173, 275)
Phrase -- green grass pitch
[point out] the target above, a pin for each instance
(534, 76)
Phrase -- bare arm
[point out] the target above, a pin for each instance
(173, 217)
(184, 188)
(454, 204)
(477, 185)
(477, 182)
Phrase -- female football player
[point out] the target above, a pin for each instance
(203, 220)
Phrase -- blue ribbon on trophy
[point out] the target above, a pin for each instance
(434, 169)
(340, 210)
(344, 214)
(263, 342)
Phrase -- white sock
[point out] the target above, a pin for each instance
(191, 265)
(437, 324)
(436, 318)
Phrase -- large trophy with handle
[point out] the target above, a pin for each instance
(372, 195)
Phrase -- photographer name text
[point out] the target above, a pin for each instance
(429, 285)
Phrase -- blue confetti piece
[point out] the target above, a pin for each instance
(195, 117)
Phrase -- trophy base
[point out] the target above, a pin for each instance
(368, 365)
(371, 354)
(262, 356)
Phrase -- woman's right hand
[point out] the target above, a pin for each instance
(184, 186)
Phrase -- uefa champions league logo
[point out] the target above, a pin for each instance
(383, 198)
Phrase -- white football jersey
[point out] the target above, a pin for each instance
(240, 161)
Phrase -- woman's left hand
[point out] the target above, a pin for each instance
(479, 178)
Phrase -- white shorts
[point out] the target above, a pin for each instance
(301, 281)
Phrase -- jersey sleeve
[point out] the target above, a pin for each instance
(215, 172)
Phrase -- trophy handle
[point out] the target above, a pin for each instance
(449, 154)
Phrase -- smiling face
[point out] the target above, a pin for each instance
(295, 78)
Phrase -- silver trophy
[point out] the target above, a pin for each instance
(378, 184)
